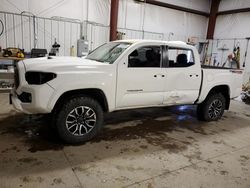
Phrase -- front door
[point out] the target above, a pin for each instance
(140, 79)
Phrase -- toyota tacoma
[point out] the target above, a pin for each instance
(121, 75)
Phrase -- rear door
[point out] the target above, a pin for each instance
(140, 78)
(183, 76)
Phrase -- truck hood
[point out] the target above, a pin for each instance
(57, 64)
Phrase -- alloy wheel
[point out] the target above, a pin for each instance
(215, 109)
(81, 120)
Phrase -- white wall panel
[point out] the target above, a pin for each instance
(47, 8)
(157, 22)
(99, 11)
(164, 20)
(201, 5)
(132, 16)
(233, 4)
(15, 6)
(233, 26)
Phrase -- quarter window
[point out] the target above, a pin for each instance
(180, 57)
(149, 56)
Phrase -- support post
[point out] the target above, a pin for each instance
(113, 19)
(212, 18)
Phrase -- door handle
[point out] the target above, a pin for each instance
(191, 75)
(156, 75)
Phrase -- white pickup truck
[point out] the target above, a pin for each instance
(121, 75)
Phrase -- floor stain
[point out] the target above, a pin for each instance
(57, 181)
(244, 159)
(154, 126)
(196, 155)
(80, 169)
(224, 172)
(34, 130)
(219, 161)
(38, 135)
(150, 185)
(28, 179)
(7, 150)
(129, 168)
(27, 160)
(143, 146)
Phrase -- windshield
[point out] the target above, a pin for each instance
(108, 52)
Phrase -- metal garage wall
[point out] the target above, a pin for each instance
(235, 27)
(150, 18)
(75, 9)
(192, 4)
(97, 34)
(96, 39)
(233, 4)
(19, 32)
(137, 20)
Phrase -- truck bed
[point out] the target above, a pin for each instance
(213, 67)
(220, 76)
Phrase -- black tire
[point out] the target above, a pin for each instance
(212, 108)
(67, 120)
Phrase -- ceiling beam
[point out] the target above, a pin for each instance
(175, 7)
(234, 11)
(212, 18)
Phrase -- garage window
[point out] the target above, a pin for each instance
(144, 57)
(180, 57)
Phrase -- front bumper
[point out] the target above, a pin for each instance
(16, 102)
(38, 98)
(41, 95)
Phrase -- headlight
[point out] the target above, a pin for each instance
(38, 78)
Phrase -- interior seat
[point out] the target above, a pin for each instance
(182, 60)
(152, 59)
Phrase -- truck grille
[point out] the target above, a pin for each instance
(16, 77)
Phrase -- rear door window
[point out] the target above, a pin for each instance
(178, 57)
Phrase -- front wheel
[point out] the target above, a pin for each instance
(79, 120)
(212, 108)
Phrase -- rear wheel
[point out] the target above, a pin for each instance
(212, 108)
(79, 120)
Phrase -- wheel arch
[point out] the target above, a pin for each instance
(94, 93)
(224, 90)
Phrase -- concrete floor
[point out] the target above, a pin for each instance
(158, 147)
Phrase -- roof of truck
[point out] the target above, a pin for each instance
(174, 43)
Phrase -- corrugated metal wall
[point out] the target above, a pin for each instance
(27, 31)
